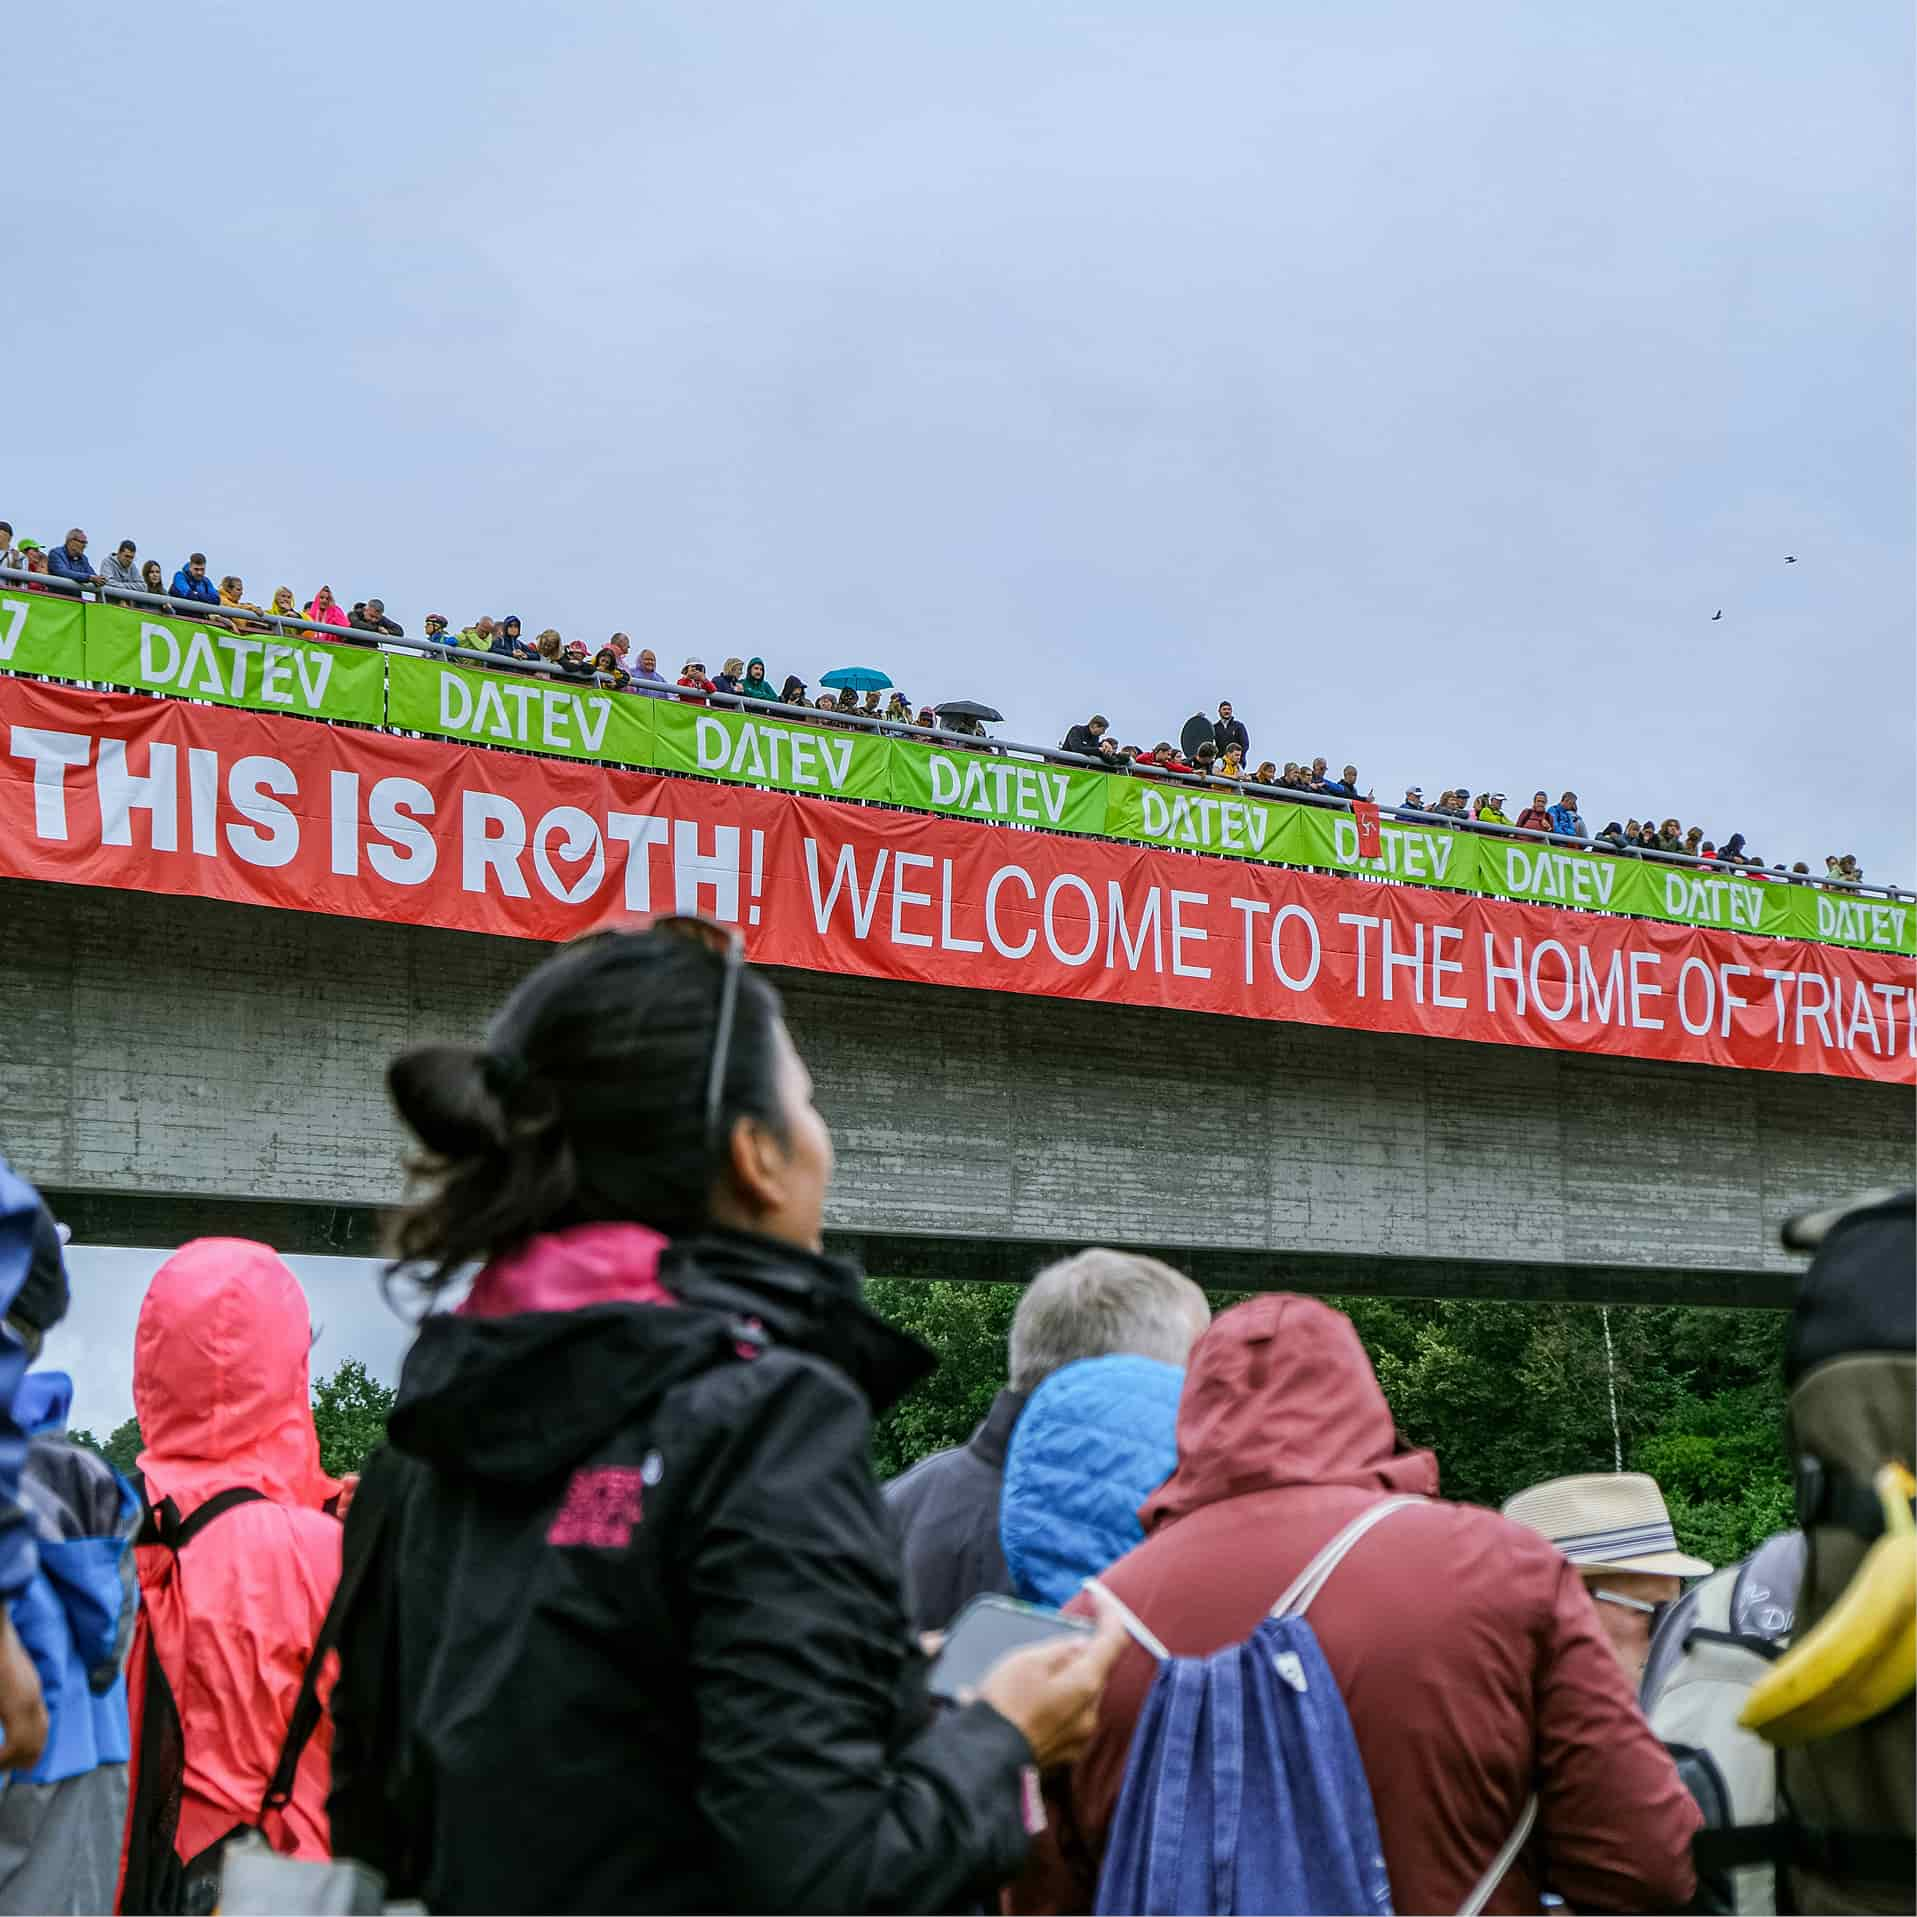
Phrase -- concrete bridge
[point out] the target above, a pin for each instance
(175, 1066)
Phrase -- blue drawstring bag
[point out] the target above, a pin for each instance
(1244, 1788)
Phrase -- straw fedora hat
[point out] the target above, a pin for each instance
(1607, 1521)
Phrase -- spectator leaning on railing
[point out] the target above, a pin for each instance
(1567, 819)
(121, 567)
(1536, 817)
(323, 609)
(1083, 739)
(9, 556)
(371, 617)
(233, 599)
(152, 579)
(191, 582)
(70, 562)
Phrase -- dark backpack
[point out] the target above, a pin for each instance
(156, 1880)
(1841, 1834)
(1711, 1646)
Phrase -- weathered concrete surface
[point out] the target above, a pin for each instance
(164, 1053)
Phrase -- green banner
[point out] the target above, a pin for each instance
(576, 719)
(1423, 854)
(718, 744)
(1551, 875)
(1198, 819)
(979, 785)
(41, 633)
(1698, 895)
(260, 671)
(1840, 918)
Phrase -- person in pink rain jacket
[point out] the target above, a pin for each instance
(325, 610)
(229, 1609)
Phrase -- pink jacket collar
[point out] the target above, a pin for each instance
(582, 1265)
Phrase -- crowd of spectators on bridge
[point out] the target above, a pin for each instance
(1210, 750)
(617, 1618)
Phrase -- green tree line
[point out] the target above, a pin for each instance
(349, 1414)
(1506, 1394)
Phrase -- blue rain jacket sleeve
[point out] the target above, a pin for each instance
(19, 1558)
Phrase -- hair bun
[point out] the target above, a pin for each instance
(447, 1094)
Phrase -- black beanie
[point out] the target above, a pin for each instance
(1857, 1294)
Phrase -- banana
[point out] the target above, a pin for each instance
(1862, 1656)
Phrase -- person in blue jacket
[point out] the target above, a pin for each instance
(69, 560)
(61, 1821)
(62, 1815)
(1094, 1441)
(191, 582)
(24, 1227)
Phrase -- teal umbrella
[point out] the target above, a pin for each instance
(856, 679)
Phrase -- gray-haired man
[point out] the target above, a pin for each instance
(1091, 1305)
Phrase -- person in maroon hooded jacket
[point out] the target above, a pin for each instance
(1470, 1659)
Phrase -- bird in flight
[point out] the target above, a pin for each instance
(1717, 615)
(1790, 559)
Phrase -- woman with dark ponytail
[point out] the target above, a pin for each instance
(629, 1632)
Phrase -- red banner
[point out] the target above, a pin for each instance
(165, 796)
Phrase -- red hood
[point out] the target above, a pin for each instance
(220, 1380)
(1279, 1392)
(563, 1270)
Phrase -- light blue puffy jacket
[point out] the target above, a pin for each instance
(1093, 1442)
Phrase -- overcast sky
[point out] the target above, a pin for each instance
(1421, 377)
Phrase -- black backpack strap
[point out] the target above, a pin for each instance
(1829, 1494)
(154, 1879)
(355, 1568)
(162, 1523)
(1873, 1857)
(1865, 1856)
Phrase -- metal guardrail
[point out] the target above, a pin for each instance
(201, 613)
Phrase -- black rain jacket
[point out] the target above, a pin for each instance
(946, 1508)
(633, 1636)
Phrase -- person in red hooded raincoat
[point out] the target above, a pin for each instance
(1472, 1663)
(221, 1391)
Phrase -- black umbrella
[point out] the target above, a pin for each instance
(1197, 733)
(969, 709)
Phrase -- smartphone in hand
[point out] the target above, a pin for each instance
(985, 1630)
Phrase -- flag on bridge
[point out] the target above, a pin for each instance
(1369, 844)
